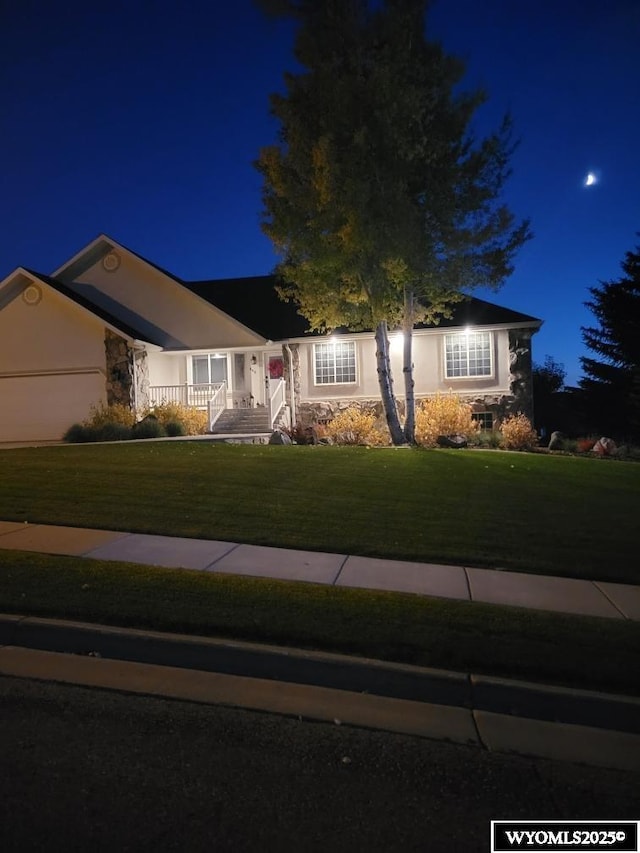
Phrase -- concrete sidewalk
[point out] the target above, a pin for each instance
(490, 713)
(493, 586)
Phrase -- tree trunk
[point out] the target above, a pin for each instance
(407, 370)
(386, 385)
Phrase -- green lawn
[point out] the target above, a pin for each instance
(600, 654)
(560, 515)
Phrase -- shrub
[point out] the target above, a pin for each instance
(628, 452)
(105, 423)
(354, 426)
(517, 433)
(584, 445)
(194, 421)
(486, 438)
(79, 433)
(148, 427)
(444, 414)
(174, 428)
(111, 431)
(114, 414)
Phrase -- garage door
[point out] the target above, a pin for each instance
(43, 407)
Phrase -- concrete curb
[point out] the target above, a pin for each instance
(296, 700)
(481, 729)
(344, 672)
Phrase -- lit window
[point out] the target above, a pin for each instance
(335, 362)
(209, 369)
(468, 354)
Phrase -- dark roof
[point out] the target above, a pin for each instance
(97, 310)
(477, 312)
(254, 302)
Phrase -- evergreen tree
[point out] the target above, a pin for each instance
(383, 207)
(611, 385)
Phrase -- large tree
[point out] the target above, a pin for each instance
(611, 385)
(382, 205)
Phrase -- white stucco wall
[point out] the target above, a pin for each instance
(166, 369)
(429, 369)
(55, 333)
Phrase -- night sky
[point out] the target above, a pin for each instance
(142, 119)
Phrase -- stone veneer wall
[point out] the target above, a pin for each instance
(322, 411)
(119, 362)
(295, 363)
(141, 400)
(521, 370)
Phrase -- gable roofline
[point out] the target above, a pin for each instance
(103, 244)
(253, 305)
(88, 249)
(114, 323)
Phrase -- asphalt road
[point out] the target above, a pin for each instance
(91, 770)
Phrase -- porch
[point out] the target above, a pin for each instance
(217, 399)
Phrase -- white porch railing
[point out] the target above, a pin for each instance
(276, 399)
(217, 404)
(187, 395)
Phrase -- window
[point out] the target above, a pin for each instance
(485, 419)
(468, 354)
(335, 362)
(209, 369)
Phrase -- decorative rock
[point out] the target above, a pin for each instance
(604, 446)
(278, 437)
(555, 442)
(452, 440)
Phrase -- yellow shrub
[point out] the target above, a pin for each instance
(517, 433)
(114, 414)
(195, 421)
(353, 426)
(444, 414)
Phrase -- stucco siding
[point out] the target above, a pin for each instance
(53, 333)
(429, 369)
(166, 369)
(366, 373)
(430, 374)
(52, 366)
(160, 305)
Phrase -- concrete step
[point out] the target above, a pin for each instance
(242, 421)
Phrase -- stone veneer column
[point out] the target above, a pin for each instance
(141, 399)
(295, 365)
(521, 369)
(119, 363)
